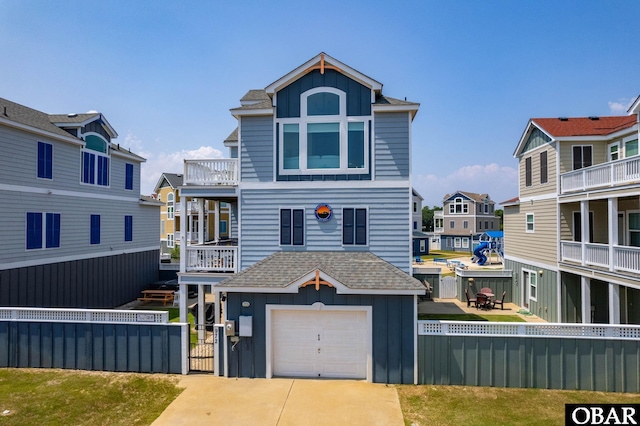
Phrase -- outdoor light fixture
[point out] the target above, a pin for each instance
(471, 279)
(540, 271)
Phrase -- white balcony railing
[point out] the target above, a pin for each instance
(604, 175)
(211, 172)
(192, 207)
(212, 259)
(625, 258)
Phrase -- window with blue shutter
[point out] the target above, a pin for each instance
(53, 230)
(45, 160)
(34, 230)
(43, 230)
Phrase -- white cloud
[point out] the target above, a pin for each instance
(500, 182)
(620, 107)
(172, 162)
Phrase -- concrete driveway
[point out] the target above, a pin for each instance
(217, 400)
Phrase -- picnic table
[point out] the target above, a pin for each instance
(156, 295)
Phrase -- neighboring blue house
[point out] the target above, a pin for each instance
(75, 231)
(320, 254)
(420, 239)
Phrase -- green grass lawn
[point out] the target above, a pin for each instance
(471, 317)
(470, 405)
(70, 397)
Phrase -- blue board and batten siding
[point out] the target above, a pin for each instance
(91, 346)
(393, 330)
(256, 148)
(386, 209)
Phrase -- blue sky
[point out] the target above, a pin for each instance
(166, 73)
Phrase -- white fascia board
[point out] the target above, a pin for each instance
(71, 139)
(284, 185)
(525, 136)
(635, 107)
(293, 289)
(105, 124)
(413, 109)
(248, 112)
(300, 71)
(125, 153)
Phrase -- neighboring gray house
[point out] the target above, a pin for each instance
(75, 231)
(464, 214)
(320, 211)
(420, 239)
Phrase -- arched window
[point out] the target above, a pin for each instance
(323, 139)
(95, 160)
(170, 206)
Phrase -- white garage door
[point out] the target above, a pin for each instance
(314, 343)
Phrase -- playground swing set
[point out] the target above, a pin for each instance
(490, 246)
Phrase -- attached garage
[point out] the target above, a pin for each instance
(344, 315)
(319, 341)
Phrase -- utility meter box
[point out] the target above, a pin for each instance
(229, 328)
(245, 325)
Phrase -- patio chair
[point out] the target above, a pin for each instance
(482, 301)
(500, 301)
(469, 300)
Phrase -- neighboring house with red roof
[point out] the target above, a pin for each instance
(572, 236)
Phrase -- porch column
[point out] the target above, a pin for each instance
(584, 229)
(216, 232)
(614, 304)
(202, 320)
(585, 287)
(216, 330)
(612, 204)
(183, 258)
(201, 220)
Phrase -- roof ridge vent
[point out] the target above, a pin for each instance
(72, 114)
(563, 119)
(594, 118)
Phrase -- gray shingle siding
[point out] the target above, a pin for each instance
(392, 145)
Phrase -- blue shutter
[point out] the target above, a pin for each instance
(45, 160)
(298, 227)
(347, 226)
(95, 229)
(285, 227)
(361, 226)
(88, 168)
(34, 230)
(128, 228)
(129, 176)
(53, 230)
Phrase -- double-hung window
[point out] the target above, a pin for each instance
(95, 229)
(582, 156)
(95, 161)
(458, 206)
(45, 160)
(43, 230)
(128, 176)
(530, 223)
(323, 139)
(128, 228)
(354, 226)
(631, 148)
(170, 206)
(291, 227)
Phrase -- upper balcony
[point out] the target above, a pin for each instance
(605, 175)
(609, 257)
(222, 171)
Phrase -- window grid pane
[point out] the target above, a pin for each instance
(291, 146)
(323, 145)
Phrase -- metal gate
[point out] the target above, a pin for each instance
(448, 288)
(201, 341)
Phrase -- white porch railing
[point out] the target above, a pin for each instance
(83, 315)
(192, 207)
(625, 258)
(597, 254)
(613, 173)
(560, 330)
(212, 258)
(211, 172)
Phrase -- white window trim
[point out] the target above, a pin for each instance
(465, 243)
(52, 165)
(624, 145)
(170, 240)
(582, 146)
(171, 208)
(528, 284)
(305, 119)
(457, 242)
(627, 230)
(533, 223)
(616, 144)
(98, 154)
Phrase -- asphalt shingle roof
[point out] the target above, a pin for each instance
(585, 126)
(30, 117)
(175, 180)
(356, 270)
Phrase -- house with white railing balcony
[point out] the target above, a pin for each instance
(573, 234)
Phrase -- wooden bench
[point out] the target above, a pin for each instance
(163, 296)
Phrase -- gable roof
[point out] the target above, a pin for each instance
(173, 179)
(584, 126)
(349, 272)
(479, 198)
(12, 112)
(635, 106)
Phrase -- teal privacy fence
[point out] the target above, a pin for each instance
(101, 340)
(593, 357)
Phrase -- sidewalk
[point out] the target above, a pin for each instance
(218, 400)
